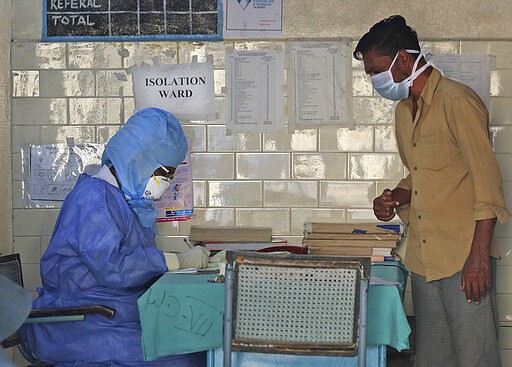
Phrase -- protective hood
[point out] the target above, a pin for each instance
(151, 138)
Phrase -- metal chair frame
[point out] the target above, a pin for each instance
(342, 284)
(10, 266)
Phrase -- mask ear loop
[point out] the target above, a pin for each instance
(410, 79)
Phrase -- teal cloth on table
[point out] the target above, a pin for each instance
(181, 313)
(387, 322)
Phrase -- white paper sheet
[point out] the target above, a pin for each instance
(253, 19)
(254, 83)
(319, 83)
(472, 70)
(54, 168)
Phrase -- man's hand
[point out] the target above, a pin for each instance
(384, 206)
(476, 275)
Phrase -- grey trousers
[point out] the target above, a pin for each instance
(450, 332)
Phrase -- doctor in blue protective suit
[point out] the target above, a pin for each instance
(103, 250)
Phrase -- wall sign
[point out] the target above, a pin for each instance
(131, 20)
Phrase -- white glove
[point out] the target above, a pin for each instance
(172, 261)
(196, 257)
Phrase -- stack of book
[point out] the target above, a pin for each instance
(240, 238)
(375, 240)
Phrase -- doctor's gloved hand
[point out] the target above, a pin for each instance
(196, 257)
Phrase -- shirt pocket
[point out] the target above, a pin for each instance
(436, 152)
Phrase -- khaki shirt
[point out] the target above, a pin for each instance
(453, 175)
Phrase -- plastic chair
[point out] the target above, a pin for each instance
(10, 266)
(295, 304)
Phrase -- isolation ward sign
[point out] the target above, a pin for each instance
(117, 20)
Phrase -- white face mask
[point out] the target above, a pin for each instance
(386, 86)
(155, 187)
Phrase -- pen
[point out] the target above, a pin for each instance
(187, 243)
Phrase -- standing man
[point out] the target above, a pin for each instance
(450, 200)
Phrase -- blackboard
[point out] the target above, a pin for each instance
(131, 20)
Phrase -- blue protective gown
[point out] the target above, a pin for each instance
(99, 254)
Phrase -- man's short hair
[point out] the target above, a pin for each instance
(387, 37)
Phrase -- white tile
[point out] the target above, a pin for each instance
(66, 83)
(373, 110)
(199, 193)
(92, 111)
(505, 164)
(17, 166)
(347, 194)
(505, 339)
(503, 276)
(216, 217)
(504, 302)
(297, 140)
(92, 55)
(330, 166)
(360, 215)
(25, 55)
(302, 215)
(501, 137)
(212, 165)
(220, 141)
(201, 50)
(27, 19)
(59, 134)
(277, 219)
(358, 139)
(34, 222)
(29, 249)
(505, 246)
(367, 166)
(167, 228)
(385, 140)
(506, 357)
(104, 133)
(113, 83)
(440, 47)
(25, 83)
(501, 83)
(500, 111)
(39, 111)
(23, 135)
(234, 194)
(263, 166)
(219, 79)
(290, 194)
(196, 137)
(502, 50)
(362, 84)
(135, 53)
(31, 276)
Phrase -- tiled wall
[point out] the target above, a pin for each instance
(83, 90)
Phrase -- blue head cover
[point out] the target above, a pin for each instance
(150, 139)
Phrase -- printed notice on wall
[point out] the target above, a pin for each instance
(54, 168)
(52, 171)
(472, 70)
(254, 82)
(177, 203)
(128, 20)
(253, 19)
(319, 83)
(185, 90)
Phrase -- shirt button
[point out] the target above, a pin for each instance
(413, 144)
(415, 168)
(424, 241)
(415, 192)
(419, 216)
